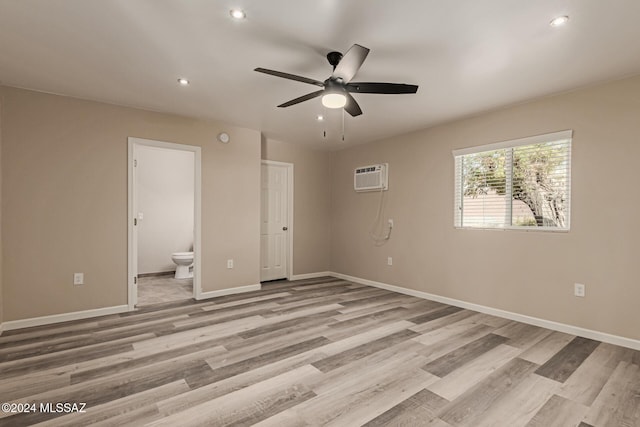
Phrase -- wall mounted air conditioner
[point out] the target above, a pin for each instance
(371, 178)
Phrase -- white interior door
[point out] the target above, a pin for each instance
(275, 221)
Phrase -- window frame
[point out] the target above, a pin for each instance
(566, 135)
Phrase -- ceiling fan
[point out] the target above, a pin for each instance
(337, 89)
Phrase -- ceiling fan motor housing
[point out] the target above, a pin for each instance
(334, 85)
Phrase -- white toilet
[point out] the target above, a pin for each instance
(183, 260)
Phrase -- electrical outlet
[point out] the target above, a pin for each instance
(229, 263)
(578, 289)
(389, 261)
(78, 278)
(390, 222)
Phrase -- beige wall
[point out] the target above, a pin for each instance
(64, 199)
(1, 303)
(531, 273)
(312, 203)
(64, 203)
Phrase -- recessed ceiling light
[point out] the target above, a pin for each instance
(183, 81)
(559, 21)
(237, 14)
(319, 117)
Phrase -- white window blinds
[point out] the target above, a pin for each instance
(520, 184)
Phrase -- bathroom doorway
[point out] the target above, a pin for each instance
(164, 222)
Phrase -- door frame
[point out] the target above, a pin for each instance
(289, 166)
(132, 234)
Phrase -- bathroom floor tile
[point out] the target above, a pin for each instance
(154, 290)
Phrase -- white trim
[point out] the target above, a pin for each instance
(311, 275)
(131, 258)
(537, 139)
(275, 163)
(64, 317)
(197, 214)
(229, 291)
(549, 324)
(290, 184)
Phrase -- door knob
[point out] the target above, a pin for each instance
(285, 228)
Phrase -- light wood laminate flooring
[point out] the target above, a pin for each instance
(314, 353)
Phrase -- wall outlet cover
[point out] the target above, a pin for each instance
(78, 278)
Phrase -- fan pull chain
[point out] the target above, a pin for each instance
(343, 124)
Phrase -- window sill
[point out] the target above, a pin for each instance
(525, 229)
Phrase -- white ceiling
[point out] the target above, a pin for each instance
(467, 56)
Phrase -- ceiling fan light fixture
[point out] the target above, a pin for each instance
(334, 100)
(559, 21)
(237, 14)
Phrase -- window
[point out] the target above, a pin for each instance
(520, 184)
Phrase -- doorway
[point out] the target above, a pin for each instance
(276, 224)
(164, 182)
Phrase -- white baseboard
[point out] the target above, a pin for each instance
(310, 275)
(549, 324)
(65, 317)
(229, 291)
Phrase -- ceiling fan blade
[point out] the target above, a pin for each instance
(350, 63)
(389, 88)
(290, 76)
(302, 99)
(352, 106)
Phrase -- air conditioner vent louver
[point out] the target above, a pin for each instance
(371, 178)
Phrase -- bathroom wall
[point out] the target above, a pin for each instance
(165, 183)
(64, 199)
(531, 273)
(312, 203)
